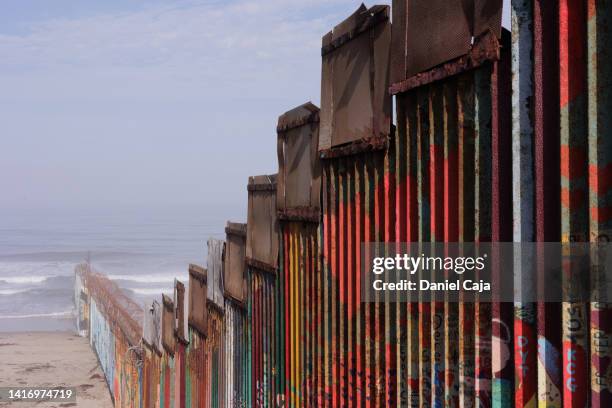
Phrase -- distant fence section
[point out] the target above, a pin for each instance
(499, 136)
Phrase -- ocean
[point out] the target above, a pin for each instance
(142, 254)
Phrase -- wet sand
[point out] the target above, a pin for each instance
(39, 359)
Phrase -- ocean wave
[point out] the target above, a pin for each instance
(33, 272)
(169, 278)
(34, 279)
(151, 291)
(24, 279)
(8, 292)
(71, 256)
(67, 313)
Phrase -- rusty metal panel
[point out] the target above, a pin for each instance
(397, 70)
(428, 34)
(354, 95)
(487, 17)
(262, 225)
(299, 174)
(167, 321)
(235, 266)
(198, 312)
(215, 290)
(437, 31)
(152, 326)
(180, 315)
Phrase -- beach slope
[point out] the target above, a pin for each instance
(40, 359)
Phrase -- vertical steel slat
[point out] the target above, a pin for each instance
(258, 337)
(335, 333)
(401, 215)
(436, 205)
(269, 319)
(290, 322)
(369, 337)
(263, 360)
(327, 284)
(298, 317)
(342, 295)
(502, 367)
(254, 336)
(293, 295)
(451, 234)
(424, 236)
(274, 362)
(465, 117)
(391, 304)
(303, 317)
(352, 273)
(261, 338)
(249, 340)
(379, 310)
(482, 87)
(574, 190)
(312, 328)
(546, 192)
(291, 319)
(523, 191)
(279, 314)
(271, 337)
(282, 310)
(287, 315)
(320, 349)
(228, 357)
(599, 77)
(263, 321)
(412, 234)
(360, 334)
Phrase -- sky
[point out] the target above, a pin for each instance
(161, 107)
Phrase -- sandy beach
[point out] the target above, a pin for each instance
(39, 359)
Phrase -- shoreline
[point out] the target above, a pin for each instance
(37, 324)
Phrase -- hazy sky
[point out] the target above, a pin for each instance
(131, 105)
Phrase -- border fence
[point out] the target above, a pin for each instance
(499, 137)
